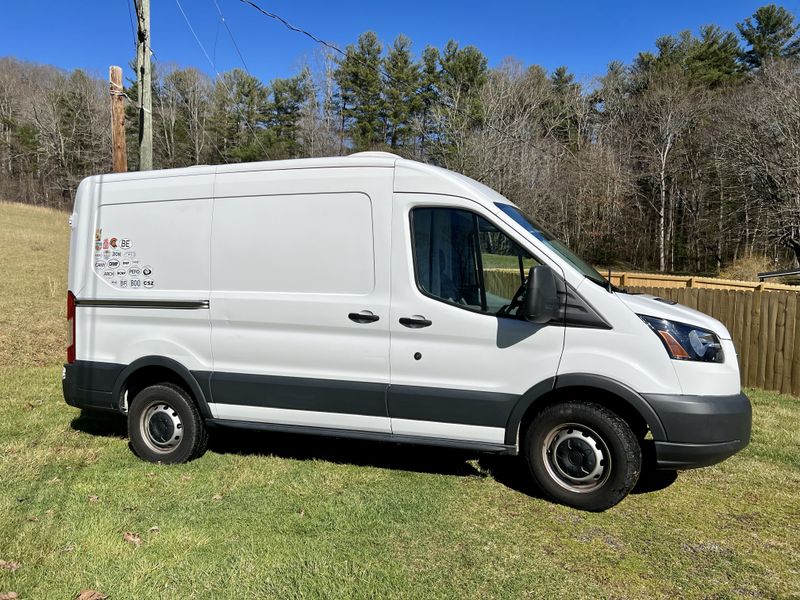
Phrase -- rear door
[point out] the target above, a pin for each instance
(300, 297)
(458, 366)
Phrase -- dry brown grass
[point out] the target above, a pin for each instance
(34, 244)
(748, 268)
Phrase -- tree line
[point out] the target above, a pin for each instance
(687, 159)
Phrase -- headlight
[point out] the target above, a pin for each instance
(686, 342)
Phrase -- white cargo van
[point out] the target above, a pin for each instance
(374, 297)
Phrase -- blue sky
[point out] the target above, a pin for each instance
(583, 35)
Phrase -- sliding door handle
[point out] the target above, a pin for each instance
(415, 322)
(364, 316)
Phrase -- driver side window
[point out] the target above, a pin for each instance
(462, 259)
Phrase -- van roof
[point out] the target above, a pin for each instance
(410, 176)
(359, 159)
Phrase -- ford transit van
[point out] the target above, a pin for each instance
(375, 297)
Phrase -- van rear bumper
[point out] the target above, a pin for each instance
(700, 430)
(89, 385)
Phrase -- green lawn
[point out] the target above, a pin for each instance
(278, 516)
(502, 261)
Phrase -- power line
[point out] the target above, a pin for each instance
(155, 59)
(341, 52)
(221, 80)
(206, 135)
(130, 18)
(291, 27)
(230, 33)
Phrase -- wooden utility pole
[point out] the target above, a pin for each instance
(143, 78)
(118, 150)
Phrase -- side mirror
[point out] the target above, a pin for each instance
(540, 303)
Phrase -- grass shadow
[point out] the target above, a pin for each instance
(385, 455)
(510, 471)
(652, 479)
(104, 424)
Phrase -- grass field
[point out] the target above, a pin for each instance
(278, 516)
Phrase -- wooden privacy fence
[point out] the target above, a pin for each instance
(761, 322)
(626, 280)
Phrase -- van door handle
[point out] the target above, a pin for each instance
(415, 322)
(363, 317)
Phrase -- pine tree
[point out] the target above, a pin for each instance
(770, 33)
(429, 93)
(671, 54)
(285, 110)
(712, 60)
(240, 111)
(464, 72)
(563, 81)
(402, 102)
(565, 91)
(361, 92)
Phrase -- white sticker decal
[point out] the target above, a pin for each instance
(116, 262)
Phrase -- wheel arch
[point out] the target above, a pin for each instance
(613, 394)
(152, 369)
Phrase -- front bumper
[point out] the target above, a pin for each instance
(700, 430)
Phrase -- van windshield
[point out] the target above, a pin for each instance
(553, 243)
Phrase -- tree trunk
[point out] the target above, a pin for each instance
(662, 223)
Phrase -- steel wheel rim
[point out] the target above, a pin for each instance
(576, 457)
(161, 427)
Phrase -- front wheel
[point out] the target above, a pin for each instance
(582, 455)
(165, 426)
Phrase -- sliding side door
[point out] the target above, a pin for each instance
(300, 297)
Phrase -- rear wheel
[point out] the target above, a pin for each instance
(582, 455)
(165, 426)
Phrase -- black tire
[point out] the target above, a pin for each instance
(165, 426)
(582, 455)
